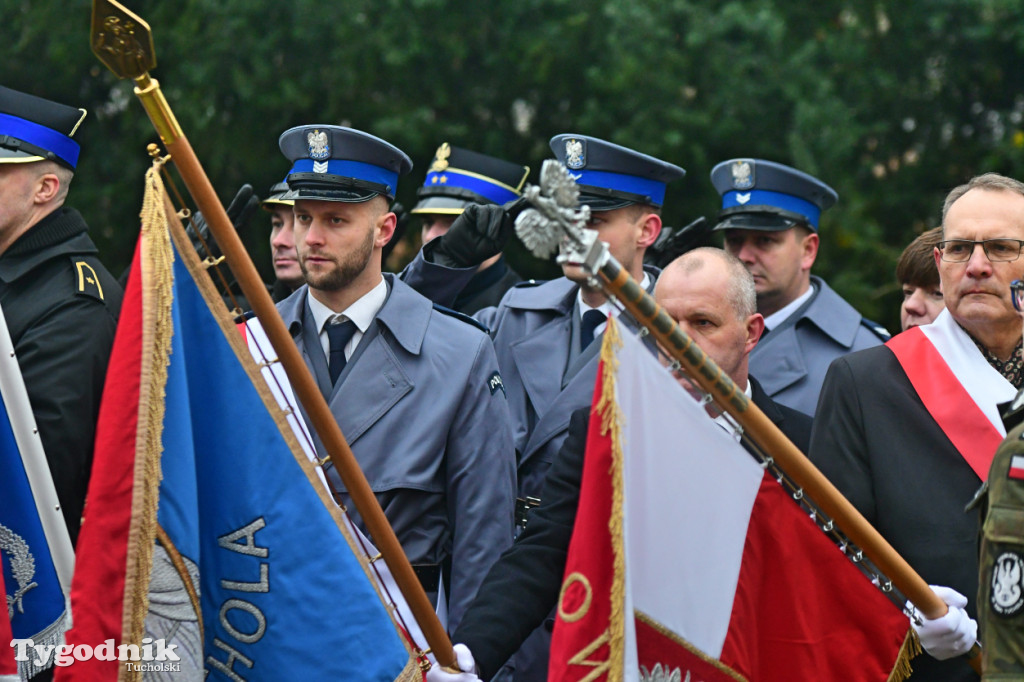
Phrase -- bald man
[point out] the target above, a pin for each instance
(521, 589)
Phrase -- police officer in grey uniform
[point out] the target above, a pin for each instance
(544, 331)
(60, 303)
(458, 178)
(770, 214)
(416, 390)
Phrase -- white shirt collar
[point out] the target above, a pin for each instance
(362, 311)
(779, 316)
(607, 307)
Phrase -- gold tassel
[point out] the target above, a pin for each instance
(156, 260)
(612, 419)
(911, 647)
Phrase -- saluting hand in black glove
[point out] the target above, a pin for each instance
(478, 234)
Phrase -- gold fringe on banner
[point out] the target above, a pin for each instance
(156, 260)
(612, 419)
(911, 648)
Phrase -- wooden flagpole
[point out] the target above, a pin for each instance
(123, 42)
(593, 255)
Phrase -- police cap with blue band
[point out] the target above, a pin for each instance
(459, 177)
(36, 129)
(611, 176)
(334, 163)
(764, 195)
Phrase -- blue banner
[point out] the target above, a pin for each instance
(34, 599)
(282, 594)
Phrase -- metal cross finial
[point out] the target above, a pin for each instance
(555, 221)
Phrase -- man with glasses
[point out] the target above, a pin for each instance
(770, 215)
(907, 431)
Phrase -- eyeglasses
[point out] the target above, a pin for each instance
(997, 250)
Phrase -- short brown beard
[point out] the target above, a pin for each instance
(348, 267)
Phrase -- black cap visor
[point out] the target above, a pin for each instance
(764, 218)
(323, 187)
(601, 199)
(16, 151)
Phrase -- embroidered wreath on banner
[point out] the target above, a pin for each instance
(23, 567)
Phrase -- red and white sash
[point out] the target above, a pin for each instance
(957, 385)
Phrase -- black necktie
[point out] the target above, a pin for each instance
(591, 320)
(339, 334)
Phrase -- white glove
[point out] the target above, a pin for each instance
(464, 658)
(951, 635)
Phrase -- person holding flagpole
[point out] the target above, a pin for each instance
(382, 354)
(711, 295)
(907, 431)
(544, 332)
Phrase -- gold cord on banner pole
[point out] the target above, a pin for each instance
(123, 42)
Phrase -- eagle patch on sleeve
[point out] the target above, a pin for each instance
(88, 284)
(494, 383)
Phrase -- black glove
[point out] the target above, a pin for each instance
(240, 212)
(478, 234)
(671, 244)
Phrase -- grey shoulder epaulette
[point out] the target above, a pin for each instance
(526, 284)
(876, 329)
(461, 316)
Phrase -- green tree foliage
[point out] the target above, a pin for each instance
(893, 103)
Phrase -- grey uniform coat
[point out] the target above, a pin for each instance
(536, 331)
(791, 360)
(421, 404)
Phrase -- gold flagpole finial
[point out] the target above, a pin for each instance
(122, 40)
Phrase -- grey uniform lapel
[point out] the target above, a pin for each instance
(314, 351)
(779, 360)
(371, 384)
(577, 358)
(537, 356)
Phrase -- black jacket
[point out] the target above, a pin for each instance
(522, 587)
(61, 308)
(878, 444)
(486, 288)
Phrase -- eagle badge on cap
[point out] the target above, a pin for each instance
(441, 158)
(319, 148)
(742, 174)
(575, 153)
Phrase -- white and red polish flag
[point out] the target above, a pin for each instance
(689, 562)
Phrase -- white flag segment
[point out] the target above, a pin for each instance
(708, 481)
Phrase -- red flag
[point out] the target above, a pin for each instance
(688, 558)
(8, 666)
